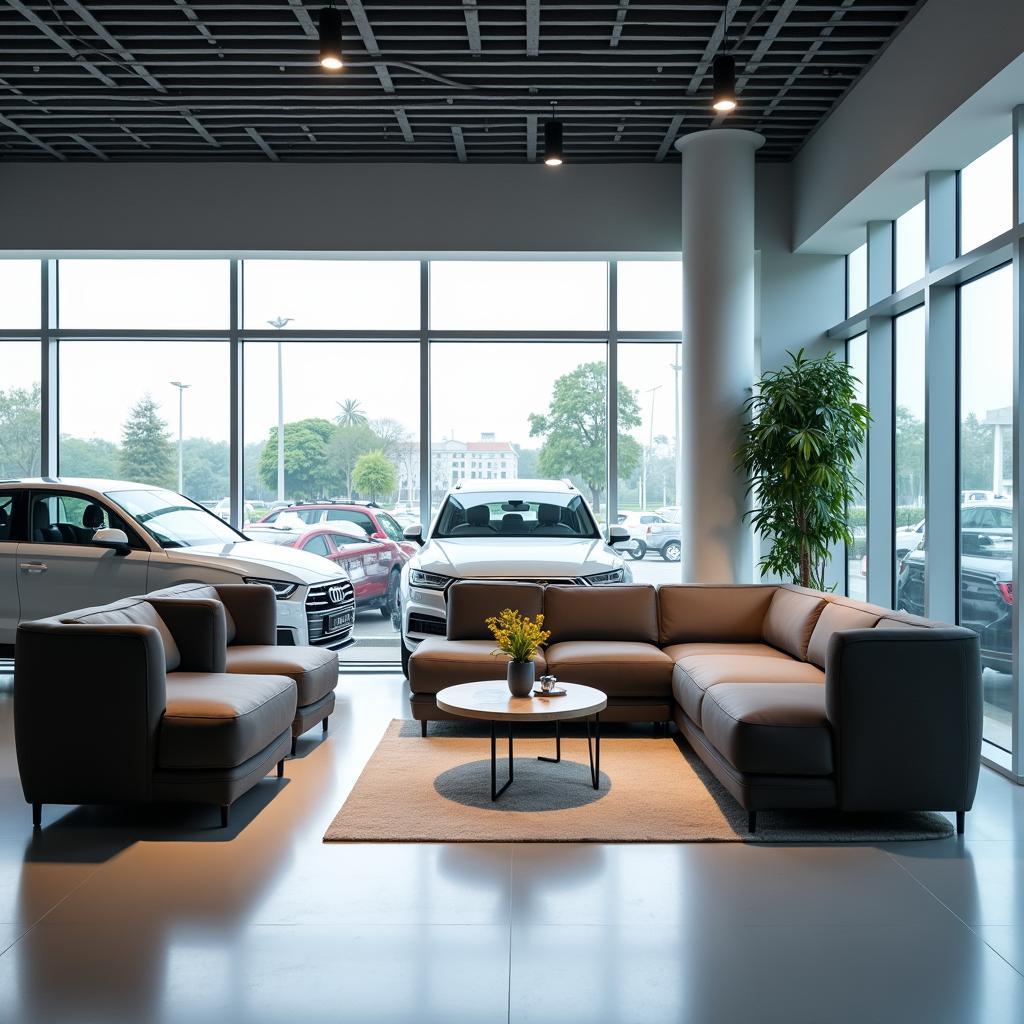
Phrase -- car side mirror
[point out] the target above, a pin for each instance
(116, 540)
(379, 535)
(618, 535)
(414, 533)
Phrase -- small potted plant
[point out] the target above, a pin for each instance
(518, 637)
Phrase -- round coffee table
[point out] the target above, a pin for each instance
(491, 702)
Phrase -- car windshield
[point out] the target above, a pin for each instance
(522, 514)
(172, 520)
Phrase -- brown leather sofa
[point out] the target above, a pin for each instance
(791, 697)
(139, 701)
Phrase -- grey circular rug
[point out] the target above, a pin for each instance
(538, 785)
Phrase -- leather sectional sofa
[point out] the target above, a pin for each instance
(143, 700)
(791, 697)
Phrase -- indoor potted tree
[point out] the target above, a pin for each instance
(804, 433)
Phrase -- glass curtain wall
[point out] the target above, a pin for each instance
(20, 311)
(909, 456)
(857, 280)
(856, 512)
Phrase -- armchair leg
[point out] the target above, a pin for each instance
(423, 728)
(961, 821)
(225, 810)
(751, 822)
(295, 744)
(280, 768)
(37, 816)
(324, 726)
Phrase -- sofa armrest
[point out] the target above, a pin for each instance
(88, 700)
(253, 607)
(199, 629)
(905, 707)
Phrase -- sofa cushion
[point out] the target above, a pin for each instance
(688, 613)
(314, 670)
(437, 663)
(694, 674)
(470, 603)
(619, 668)
(624, 613)
(775, 729)
(200, 590)
(136, 613)
(834, 617)
(791, 619)
(217, 720)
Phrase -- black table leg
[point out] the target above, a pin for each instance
(558, 746)
(495, 792)
(594, 752)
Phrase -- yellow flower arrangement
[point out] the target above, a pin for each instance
(517, 635)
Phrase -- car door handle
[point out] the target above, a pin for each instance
(33, 567)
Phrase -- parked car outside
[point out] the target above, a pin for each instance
(530, 530)
(373, 566)
(671, 513)
(649, 531)
(375, 522)
(76, 543)
(223, 510)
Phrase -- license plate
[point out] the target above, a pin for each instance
(336, 623)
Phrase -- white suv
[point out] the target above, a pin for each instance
(68, 544)
(533, 530)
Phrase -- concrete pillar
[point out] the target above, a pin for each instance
(718, 349)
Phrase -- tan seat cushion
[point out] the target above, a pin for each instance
(217, 720)
(778, 729)
(437, 663)
(314, 670)
(690, 612)
(836, 616)
(694, 674)
(619, 668)
(791, 619)
(623, 612)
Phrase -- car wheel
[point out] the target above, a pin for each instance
(637, 550)
(390, 600)
(670, 552)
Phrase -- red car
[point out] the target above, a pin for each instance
(375, 522)
(373, 564)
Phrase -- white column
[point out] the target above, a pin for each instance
(718, 349)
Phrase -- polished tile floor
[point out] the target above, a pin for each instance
(155, 916)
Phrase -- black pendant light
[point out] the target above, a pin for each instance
(330, 39)
(553, 150)
(724, 84)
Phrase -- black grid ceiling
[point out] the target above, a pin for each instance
(462, 80)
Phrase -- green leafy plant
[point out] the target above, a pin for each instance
(804, 433)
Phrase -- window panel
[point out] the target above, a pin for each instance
(20, 294)
(135, 433)
(315, 295)
(172, 295)
(519, 295)
(857, 280)
(910, 253)
(857, 511)
(986, 196)
(909, 459)
(19, 409)
(650, 295)
(986, 482)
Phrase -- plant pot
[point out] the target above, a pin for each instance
(520, 678)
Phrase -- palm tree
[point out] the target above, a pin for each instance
(351, 414)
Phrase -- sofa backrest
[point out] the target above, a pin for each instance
(135, 612)
(470, 603)
(204, 591)
(626, 612)
(838, 614)
(719, 613)
(791, 618)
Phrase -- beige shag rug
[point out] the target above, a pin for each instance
(437, 789)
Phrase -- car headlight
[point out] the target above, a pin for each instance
(428, 580)
(602, 579)
(282, 589)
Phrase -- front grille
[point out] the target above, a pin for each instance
(427, 624)
(323, 603)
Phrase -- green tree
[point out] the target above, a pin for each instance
(206, 468)
(89, 457)
(147, 453)
(575, 428)
(347, 444)
(19, 432)
(909, 457)
(307, 473)
(976, 452)
(527, 462)
(375, 475)
(253, 480)
(351, 414)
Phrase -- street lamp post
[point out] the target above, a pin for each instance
(181, 432)
(280, 323)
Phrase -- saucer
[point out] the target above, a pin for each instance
(557, 692)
